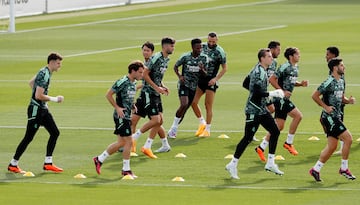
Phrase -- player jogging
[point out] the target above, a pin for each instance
(332, 92)
(209, 84)
(151, 93)
(193, 64)
(285, 78)
(257, 114)
(125, 90)
(39, 115)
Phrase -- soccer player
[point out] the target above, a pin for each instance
(147, 52)
(193, 64)
(333, 52)
(125, 90)
(285, 78)
(275, 49)
(151, 92)
(209, 84)
(39, 115)
(332, 92)
(257, 114)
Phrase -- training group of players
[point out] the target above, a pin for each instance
(200, 73)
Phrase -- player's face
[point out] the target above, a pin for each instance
(276, 51)
(147, 52)
(329, 56)
(55, 65)
(296, 56)
(169, 48)
(139, 73)
(212, 41)
(341, 68)
(267, 59)
(197, 49)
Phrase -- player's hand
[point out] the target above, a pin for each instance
(329, 109)
(352, 100)
(212, 82)
(120, 112)
(163, 90)
(287, 94)
(202, 69)
(134, 108)
(60, 98)
(182, 79)
(305, 83)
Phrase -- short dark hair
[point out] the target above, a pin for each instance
(195, 41)
(54, 56)
(149, 45)
(135, 65)
(262, 53)
(290, 52)
(212, 34)
(273, 44)
(167, 40)
(334, 50)
(334, 62)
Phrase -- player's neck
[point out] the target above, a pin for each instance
(264, 66)
(335, 75)
(164, 53)
(131, 78)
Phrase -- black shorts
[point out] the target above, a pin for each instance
(140, 107)
(185, 91)
(282, 107)
(203, 84)
(333, 126)
(122, 127)
(148, 104)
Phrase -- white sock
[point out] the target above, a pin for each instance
(137, 134)
(126, 165)
(264, 144)
(234, 161)
(165, 142)
(103, 156)
(148, 143)
(202, 120)
(290, 139)
(344, 164)
(48, 160)
(176, 122)
(318, 166)
(271, 159)
(208, 126)
(14, 162)
(341, 145)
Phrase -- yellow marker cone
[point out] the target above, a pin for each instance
(358, 140)
(28, 174)
(229, 156)
(223, 136)
(80, 176)
(133, 154)
(128, 177)
(180, 155)
(313, 138)
(279, 157)
(178, 179)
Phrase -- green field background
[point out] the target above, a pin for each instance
(97, 46)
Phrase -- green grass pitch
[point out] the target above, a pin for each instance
(99, 44)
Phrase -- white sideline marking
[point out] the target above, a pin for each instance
(180, 40)
(108, 128)
(151, 15)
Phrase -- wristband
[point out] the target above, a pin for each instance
(53, 99)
